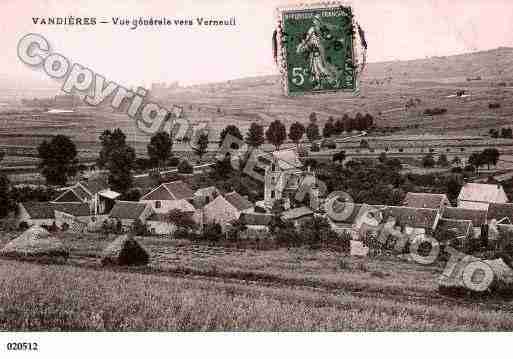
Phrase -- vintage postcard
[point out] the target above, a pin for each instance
(167, 169)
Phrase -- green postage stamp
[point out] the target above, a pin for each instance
(315, 49)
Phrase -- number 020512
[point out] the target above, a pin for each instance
(15, 346)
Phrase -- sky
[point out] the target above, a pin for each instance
(395, 30)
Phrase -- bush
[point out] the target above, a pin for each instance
(328, 143)
(185, 167)
(139, 228)
(23, 226)
(315, 147)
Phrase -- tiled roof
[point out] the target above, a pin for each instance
(425, 200)
(39, 210)
(127, 210)
(238, 201)
(478, 217)
(296, 213)
(81, 193)
(179, 190)
(256, 219)
(68, 196)
(499, 211)
(75, 209)
(480, 192)
(170, 191)
(412, 217)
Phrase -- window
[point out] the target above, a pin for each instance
(207, 199)
(272, 194)
(158, 204)
(273, 167)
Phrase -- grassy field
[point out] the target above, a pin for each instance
(197, 287)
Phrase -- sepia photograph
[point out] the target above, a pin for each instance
(247, 166)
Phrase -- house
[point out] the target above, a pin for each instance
(426, 200)
(501, 212)
(476, 216)
(297, 215)
(95, 192)
(480, 195)
(168, 196)
(69, 213)
(413, 221)
(158, 224)
(225, 209)
(35, 214)
(257, 225)
(128, 212)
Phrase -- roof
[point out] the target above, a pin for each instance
(296, 213)
(39, 210)
(425, 200)
(127, 210)
(68, 196)
(462, 227)
(255, 219)
(412, 217)
(499, 211)
(478, 217)
(95, 185)
(80, 192)
(170, 191)
(239, 202)
(75, 209)
(480, 192)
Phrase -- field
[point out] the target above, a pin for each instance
(197, 287)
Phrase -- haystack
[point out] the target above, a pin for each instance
(124, 251)
(458, 284)
(36, 243)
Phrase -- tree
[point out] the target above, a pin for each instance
(313, 117)
(476, 160)
(201, 145)
(159, 148)
(428, 161)
(110, 140)
(491, 156)
(58, 159)
(2, 154)
(382, 157)
(276, 133)
(453, 187)
(312, 131)
(338, 127)
(339, 156)
(442, 160)
(296, 132)
(232, 130)
(185, 167)
(329, 128)
(120, 164)
(317, 232)
(5, 196)
(255, 136)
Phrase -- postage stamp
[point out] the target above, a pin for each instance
(316, 50)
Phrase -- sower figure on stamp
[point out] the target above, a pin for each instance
(321, 71)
